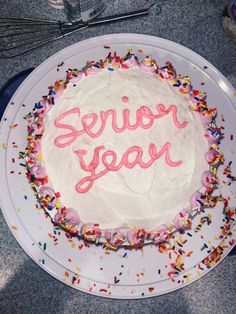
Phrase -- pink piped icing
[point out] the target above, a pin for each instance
(167, 72)
(71, 217)
(92, 69)
(48, 195)
(130, 63)
(74, 76)
(91, 233)
(214, 157)
(148, 65)
(211, 155)
(197, 97)
(58, 87)
(85, 184)
(185, 85)
(108, 234)
(38, 172)
(125, 99)
(208, 179)
(208, 115)
(38, 127)
(133, 239)
(160, 234)
(117, 239)
(42, 111)
(35, 150)
(195, 200)
(213, 135)
(68, 217)
(142, 113)
(182, 220)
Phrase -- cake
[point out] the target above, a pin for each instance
(123, 152)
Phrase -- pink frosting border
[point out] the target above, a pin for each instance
(68, 218)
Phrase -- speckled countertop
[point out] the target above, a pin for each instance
(25, 287)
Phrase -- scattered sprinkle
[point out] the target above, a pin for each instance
(116, 280)
(103, 290)
(151, 289)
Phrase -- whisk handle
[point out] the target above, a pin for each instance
(118, 17)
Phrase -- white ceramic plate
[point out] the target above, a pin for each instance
(123, 274)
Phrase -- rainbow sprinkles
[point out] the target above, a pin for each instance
(109, 145)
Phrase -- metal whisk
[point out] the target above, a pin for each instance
(21, 35)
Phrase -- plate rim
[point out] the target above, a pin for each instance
(90, 40)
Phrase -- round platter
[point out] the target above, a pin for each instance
(152, 270)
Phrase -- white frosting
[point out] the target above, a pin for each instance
(144, 198)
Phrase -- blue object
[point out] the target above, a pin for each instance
(10, 87)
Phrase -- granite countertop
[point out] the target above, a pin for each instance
(25, 287)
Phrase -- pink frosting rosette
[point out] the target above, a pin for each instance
(34, 150)
(207, 116)
(71, 217)
(213, 135)
(182, 221)
(43, 107)
(40, 110)
(167, 72)
(208, 179)
(108, 234)
(117, 239)
(46, 103)
(196, 200)
(185, 85)
(37, 174)
(112, 62)
(93, 70)
(160, 234)
(130, 62)
(90, 232)
(197, 97)
(148, 65)
(74, 75)
(47, 196)
(136, 238)
(56, 90)
(37, 128)
(67, 217)
(206, 120)
(214, 158)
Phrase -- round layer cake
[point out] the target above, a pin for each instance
(123, 152)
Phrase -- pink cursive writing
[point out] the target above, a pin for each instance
(108, 158)
(144, 119)
(109, 161)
